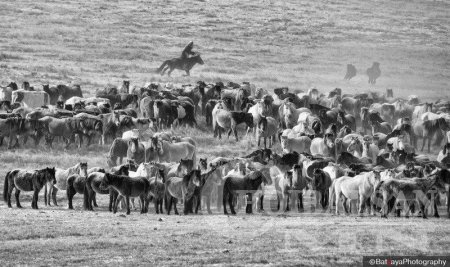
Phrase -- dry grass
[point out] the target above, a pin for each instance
(270, 43)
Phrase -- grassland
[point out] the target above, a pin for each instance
(271, 43)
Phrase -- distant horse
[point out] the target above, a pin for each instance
(250, 184)
(173, 152)
(127, 187)
(181, 188)
(374, 72)
(23, 180)
(321, 183)
(61, 176)
(359, 187)
(92, 188)
(411, 189)
(210, 179)
(428, 129)
(180, 64)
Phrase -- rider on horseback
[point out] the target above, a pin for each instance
(188, 50)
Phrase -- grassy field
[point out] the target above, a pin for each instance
(271, 43)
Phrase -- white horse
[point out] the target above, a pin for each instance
(61, 176)
(360, 187)
(173, 152)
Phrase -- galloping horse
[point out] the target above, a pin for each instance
(181, 64)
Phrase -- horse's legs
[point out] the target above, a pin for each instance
(116, 203)
(229, 133)
(142, 203)
(300, 204)
(208, 203)
(17, 194)
(344, 203)
(155, 202)
(175, 201)
(338, 200)
(54, 191)
(169, 203)
(94, 199)
(224, 202)
(34, 204)
(260, 202)
(170, 72)
(70, 193)
(127, 198)
(230, 202)
(362, 202)
(422, 208)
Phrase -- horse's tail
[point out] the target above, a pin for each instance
(158, 70)
(5, 187)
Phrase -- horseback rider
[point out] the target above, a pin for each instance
(187, 51)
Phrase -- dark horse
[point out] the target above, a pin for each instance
(181, 64)
(23, 180)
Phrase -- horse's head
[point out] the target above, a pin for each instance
(198, 59)
(50, 175)
(133, 144)
(203, 163)
(195, 177)
(375, 177)
(82, 168)
(115, 118)
(185, 165)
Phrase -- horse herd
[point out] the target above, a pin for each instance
(323, 137)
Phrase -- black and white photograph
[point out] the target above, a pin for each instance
(225, 133)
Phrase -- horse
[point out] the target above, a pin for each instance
(299, 183)
(61, 177)
(408, 190)
(92, 188)
(267, 128)
(351, 72)
(181, 188)
(380, 127)
(24, 180)
(321, 183)
(355, 147)
(140, 152)
(373, 72)
(283, 188)
(157, 191)
(181, 64)
(428, 129)
(299, 145)
(118, 150)
(230, 120)
(370, 151)
(359, 187)
(290, 114)
(346, 119)
(323, 146)
(249, 184)
(209, 180)
(172, 152)
(127, 187)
